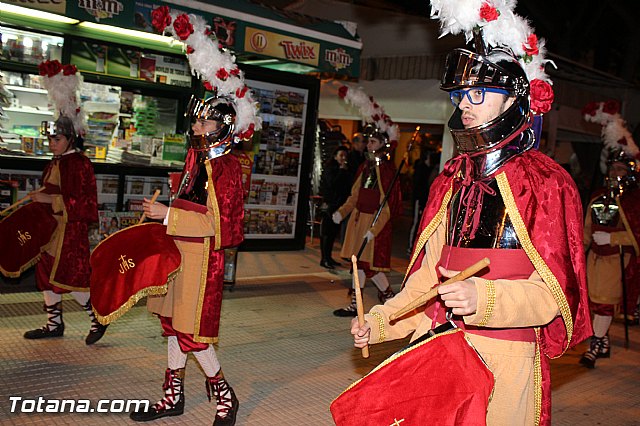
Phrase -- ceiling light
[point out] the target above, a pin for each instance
(130, 33)
(33, 13)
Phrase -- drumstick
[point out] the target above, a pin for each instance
(20, 201)
(153, 200)
(463, 275)
(359, 307)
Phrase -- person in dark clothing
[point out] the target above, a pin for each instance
(335, 187)
(356, 156)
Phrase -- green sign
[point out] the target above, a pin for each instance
(173, 147)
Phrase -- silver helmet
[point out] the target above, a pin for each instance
(62, 126)
(497, 71)
(219, 141)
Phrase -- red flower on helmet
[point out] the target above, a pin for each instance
(222, 74)
(342, 91)
(69, 69)
(241, 92)
(183, 27)
(622, 141)
(531, 46)
(235, 71)
(591, 108)
(50, 68)
(611, 107)
(160, 18)
(208, 86)
(541, 95)
(190, 50)
(488, 12)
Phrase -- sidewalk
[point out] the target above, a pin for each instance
(281, 348)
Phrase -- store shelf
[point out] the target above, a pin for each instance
(29, 111)
(25, 89)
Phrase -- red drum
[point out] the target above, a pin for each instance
(132, 263)
(23, 234)
(438, 380)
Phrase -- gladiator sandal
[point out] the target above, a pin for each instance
(383, 296)
(226, 402)
(54, 326)
(599, 348)
(171, 404)
(350, 310)
(636, 316)
(97, 330)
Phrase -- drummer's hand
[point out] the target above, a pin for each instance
(462, 296)
(40, 197)
(154, 210)
(361, 335)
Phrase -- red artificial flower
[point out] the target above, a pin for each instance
(235, 71)
(342, 91)
(241, 92)
(69, 69)
(160, 18)
(183, 26)
(53, 68)
(375, 117)
(611, 107)
(208, 86)
(541, 96)
(531, 46)
(222, 74)
(488, 12)
(622, 141)
(590, 108)
(190, 50)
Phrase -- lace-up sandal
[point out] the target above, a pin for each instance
(54, 326)
(226, 402)
(599, 348)
(97, 330)
(171, 404)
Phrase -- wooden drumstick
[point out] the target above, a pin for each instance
(359, 307)
(20, 201)
(461, 276)
(153, 200)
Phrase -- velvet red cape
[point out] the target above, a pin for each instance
(548, 202)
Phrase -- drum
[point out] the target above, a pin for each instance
(23, 235)
(130, 264)
(438, 379)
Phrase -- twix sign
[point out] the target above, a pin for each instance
(281, 46)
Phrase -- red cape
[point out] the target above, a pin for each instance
(544, 206)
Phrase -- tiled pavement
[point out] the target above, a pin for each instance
(281, 349)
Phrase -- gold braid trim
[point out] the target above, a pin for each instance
(537, 384)
(16, 274)
(380, 322)
(56, 261)
(398, 355)
(203, 284)
(539, 264)
(157, 290)
(628, 227)
(217, 238)
(491, 302)
(428, 231)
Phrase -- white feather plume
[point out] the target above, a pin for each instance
(64, 94)
(369, 110)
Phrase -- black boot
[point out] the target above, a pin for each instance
(97, 330)
(599, 348)
(226, 402)
(350, 310)
(325, 252)
(171, 404)
(54, 326)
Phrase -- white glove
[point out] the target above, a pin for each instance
(336, 217)
(369, 236)
(601, 238)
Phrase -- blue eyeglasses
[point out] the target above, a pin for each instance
(475, 95)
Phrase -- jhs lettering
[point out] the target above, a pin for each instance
(126, 264)
(23, 237)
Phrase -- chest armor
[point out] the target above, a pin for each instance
(605, 211)
(494, 229)
(198, 193)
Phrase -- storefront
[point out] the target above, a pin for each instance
(137, 84)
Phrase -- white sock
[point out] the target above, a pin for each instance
(82, 297)
(176, 359)
(381, 281)
(601, 325)
(208, 361)
(362, 277)
(51, 298)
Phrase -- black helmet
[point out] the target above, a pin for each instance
(62, 126)
(499, 69)
(220, 109)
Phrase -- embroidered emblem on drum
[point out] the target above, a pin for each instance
(126, 264)
(23, 237)
(396, 422)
